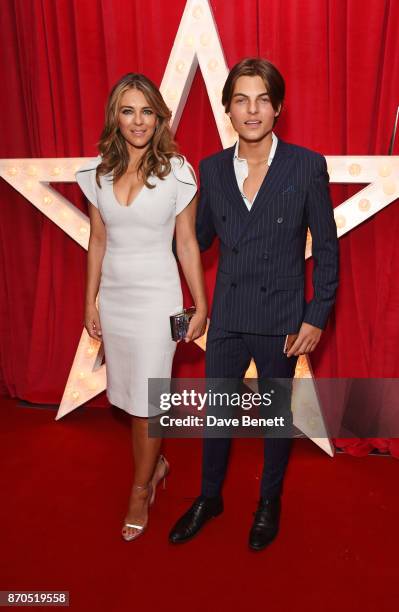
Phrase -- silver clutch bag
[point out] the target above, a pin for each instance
(179, 323)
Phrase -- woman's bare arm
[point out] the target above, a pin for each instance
(189, 257)
(95, 257)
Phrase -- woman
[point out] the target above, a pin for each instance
(140, 190)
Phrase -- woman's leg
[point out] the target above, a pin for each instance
(145, 451)
(145, 454)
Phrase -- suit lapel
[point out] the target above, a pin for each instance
(229, 183)
(274, 179)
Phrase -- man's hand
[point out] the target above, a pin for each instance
(306, 340)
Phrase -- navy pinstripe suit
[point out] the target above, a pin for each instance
(259, 292)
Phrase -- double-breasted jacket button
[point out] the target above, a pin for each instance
(265, 255)
(234, 285)
(235, 250)
(223, 217)
(263, 289)
(280, 220)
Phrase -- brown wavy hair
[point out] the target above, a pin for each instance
(112, 145)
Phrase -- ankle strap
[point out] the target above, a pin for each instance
(142, 487)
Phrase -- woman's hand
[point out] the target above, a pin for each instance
(197, 326)
(92, 323)
(190, 260)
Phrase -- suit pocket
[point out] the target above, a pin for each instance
(290, 282)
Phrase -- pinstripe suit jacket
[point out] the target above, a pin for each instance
(260, 278)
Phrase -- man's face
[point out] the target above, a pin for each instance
(251, 111)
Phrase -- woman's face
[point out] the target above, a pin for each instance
(136, 118)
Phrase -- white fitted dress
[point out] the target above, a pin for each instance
(140, 284)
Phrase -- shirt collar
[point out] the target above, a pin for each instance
(271, 154)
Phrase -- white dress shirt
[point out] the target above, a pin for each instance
(241, 169)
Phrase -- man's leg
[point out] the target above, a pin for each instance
(227, 356)
(271, 362)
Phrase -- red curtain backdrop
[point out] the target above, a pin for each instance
(58, 63)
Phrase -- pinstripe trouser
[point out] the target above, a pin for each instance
(228, 355)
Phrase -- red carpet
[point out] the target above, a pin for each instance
(65, 487)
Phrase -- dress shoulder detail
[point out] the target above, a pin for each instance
(183, 170)
(186, 182)
(86, 179)
(91, 164)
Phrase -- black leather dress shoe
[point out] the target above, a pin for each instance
(265, 526)
(203, 509)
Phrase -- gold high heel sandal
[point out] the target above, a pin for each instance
(139, 528)
(156, 480)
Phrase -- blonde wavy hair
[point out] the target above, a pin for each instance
(112, 145)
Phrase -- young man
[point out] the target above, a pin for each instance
(259, 197)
